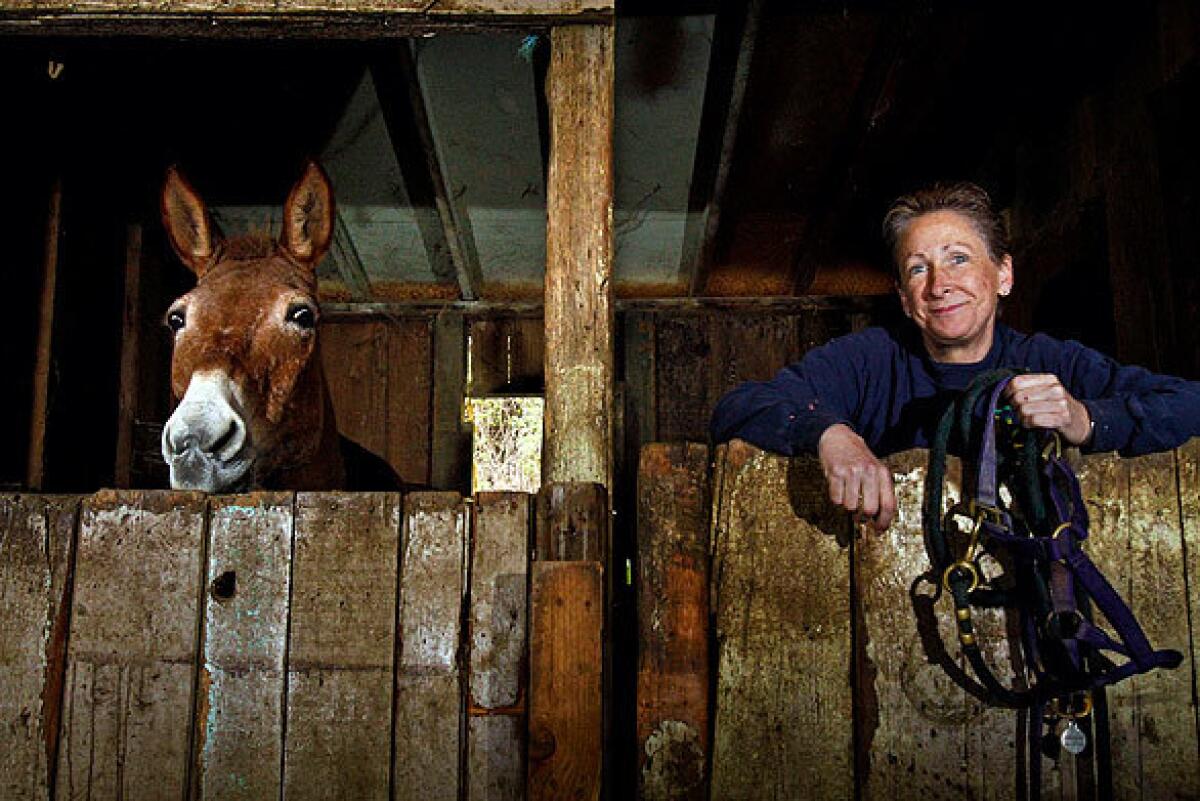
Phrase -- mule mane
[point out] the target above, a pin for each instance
(257, 244)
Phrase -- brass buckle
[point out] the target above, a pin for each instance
(1055, 710)
(965, 565)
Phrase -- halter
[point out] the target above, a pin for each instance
(1053, 583)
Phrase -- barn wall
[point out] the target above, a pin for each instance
(1105, 200)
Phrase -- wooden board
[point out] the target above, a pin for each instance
(380, 380)
(922, 733)
(497, 637)
(443, 8)
(752, 348)
(565, 719)
(507, 355)
(1189, 496)
(1155, 752)
(450, 443)
(673, 575)
(341, 645)
(572, 522)
(428, 693)
(781, 595)
(37, 544)
(131, 662)
(579, 249)
(239, 718)
(682, 348)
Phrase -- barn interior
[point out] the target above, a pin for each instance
(757, 145)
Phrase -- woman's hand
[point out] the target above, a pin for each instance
(1041, 401)
(858, 481)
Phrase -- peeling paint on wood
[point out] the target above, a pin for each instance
(133, 646)
(239, 723)
(429, 710)
(782, 607)
(36, 553)
(341, 645)
(673, 670)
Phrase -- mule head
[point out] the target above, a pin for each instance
(245, 341)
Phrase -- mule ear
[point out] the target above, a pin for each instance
(308, 217)
(188, 225)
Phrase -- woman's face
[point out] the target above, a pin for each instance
(949, 285)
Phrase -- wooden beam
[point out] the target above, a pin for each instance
(411, 133)
(131, 318)
(324, 19)
(728, 75)
(572, 523)
(36, 467)
(579, 247)
(348, 263)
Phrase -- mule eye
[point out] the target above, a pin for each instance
(176, 319)
(302, 314)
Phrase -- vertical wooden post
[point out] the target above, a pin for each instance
(579, 311)
(35, 470)
(127, 402)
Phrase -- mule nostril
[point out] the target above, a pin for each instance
(231, 441)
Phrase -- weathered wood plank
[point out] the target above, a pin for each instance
(572, 522)
(565, 719)
(428, 693)
(408, 362)
(922, 733)
(673, 680)
(379, 377)
(750, 348)
(783, 720)
(1189, 495)
(450, 446)
(579, 246)
(37, 543)
(133, 645)
(341, 646)
(239, 720)
(443, 8)
(1168, 754)
(499, 576)
(495, 757)
(682, 349)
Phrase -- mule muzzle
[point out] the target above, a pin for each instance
(206, 442)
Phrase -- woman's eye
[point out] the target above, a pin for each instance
(302, 314)
(958, 258)
(915, 270)
(176, 320)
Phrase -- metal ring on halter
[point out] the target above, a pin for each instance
(970, 568)
(1085, 709)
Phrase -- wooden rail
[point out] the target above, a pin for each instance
(838, 673)
(319, 645)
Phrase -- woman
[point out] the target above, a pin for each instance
(878, 392)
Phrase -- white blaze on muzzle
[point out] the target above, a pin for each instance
(206, 443)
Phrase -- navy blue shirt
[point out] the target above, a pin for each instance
(885, 387)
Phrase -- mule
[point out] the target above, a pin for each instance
(254, 410)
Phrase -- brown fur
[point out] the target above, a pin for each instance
(237, 322)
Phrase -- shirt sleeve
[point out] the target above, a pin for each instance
(788, 413)
(1133, 410)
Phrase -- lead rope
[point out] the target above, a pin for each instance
(1055, 582)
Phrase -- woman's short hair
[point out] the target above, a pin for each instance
(968, 199)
